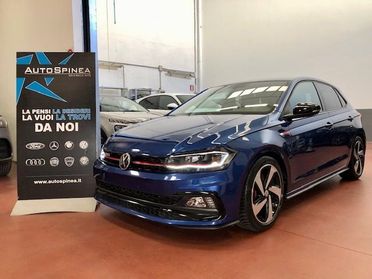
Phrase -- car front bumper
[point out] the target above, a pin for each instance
(161, 197)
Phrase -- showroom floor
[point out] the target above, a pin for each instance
(324, 233)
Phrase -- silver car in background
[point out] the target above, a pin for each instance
(6, 152)
(119, 112)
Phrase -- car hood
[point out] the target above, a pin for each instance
(188, 133)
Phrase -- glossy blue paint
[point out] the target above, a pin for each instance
(308, 149)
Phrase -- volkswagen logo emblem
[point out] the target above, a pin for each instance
(124, 161)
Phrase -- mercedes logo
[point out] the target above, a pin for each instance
(124, 161)
(53, 145)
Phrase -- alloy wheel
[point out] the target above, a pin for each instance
(266, 194)
(358, 153)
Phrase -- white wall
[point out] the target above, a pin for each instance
(147, 32)
(37, 25)
(255, 39)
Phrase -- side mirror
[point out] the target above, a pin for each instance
(303, 110)
(172, 106)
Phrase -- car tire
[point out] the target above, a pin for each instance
(262, 196)
(356, 164)
(5, 168)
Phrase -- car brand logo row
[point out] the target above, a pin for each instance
(54, 161)
(54, 145)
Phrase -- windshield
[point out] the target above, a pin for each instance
(184, 98)
(243, 98)
(120, 104)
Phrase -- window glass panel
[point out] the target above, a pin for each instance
(184, 98)
(165, 101)
(304, 92)
(329, 97)
(240, 98)
(342, 100)
(150, 102)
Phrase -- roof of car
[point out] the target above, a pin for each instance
(289, 80)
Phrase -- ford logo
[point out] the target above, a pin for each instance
(35, 162)
(35, 146)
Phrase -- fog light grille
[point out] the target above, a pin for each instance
(201, 202)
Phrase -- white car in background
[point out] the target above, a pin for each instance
(164, 102)
(119, 112)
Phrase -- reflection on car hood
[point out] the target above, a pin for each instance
(200, 130)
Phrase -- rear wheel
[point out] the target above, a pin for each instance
(262, 196)
(356, 165)
(5, 168)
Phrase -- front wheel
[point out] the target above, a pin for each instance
(262, 197)
(5, 168)
(356, 165)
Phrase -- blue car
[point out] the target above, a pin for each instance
(232, 154)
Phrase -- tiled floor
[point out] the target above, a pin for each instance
(324, 233)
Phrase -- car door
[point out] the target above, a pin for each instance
(341, 116)
(306, 138)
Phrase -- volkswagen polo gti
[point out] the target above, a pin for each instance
(232, 154)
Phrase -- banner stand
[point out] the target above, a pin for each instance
(26, 207)
(56, 132)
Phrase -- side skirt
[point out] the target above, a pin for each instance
(311, 185)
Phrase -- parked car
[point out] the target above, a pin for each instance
(5, 148)
(232, 154)
(119, 112)
(165, 102)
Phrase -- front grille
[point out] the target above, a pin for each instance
(5, 150)
(139, 163)
(166, 200)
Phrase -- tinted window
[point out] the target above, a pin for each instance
(150, 102)
(242, 98)
(184, 98)
(329, 97)
(304, 92)
(165, 101)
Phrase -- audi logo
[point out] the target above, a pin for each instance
(35, 162)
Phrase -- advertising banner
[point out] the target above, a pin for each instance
(56, 125)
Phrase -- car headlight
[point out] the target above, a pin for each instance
(102, 155)
(203, 161)
(3, 123)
